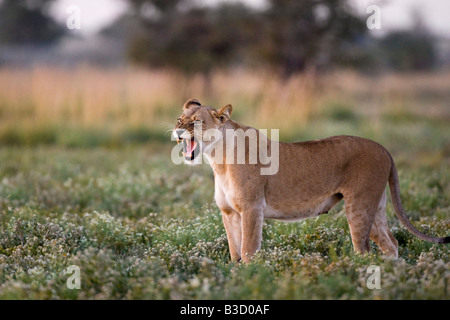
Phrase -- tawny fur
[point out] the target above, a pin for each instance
(313, 177)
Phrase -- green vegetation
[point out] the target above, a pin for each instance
(139, 227)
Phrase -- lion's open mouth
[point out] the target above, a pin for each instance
(190, 148)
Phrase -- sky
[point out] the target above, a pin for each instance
(395, 14)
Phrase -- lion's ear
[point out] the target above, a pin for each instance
(191, 102)
(225, 112)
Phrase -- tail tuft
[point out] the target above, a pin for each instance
(445, 240)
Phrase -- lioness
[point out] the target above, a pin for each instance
(312, 177)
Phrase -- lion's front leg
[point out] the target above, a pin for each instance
(252, 223)
(232, 222)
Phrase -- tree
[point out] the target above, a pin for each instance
(405, 50)
(410, 50)
(27, 22)
(195, 39)
(308, 33)
(289, 35)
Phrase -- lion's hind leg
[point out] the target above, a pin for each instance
(360, 211)
(380, 233)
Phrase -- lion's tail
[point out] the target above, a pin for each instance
(395, 195)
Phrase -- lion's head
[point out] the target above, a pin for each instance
(193, 125)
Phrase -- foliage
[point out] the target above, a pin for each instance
(139, 228)
(288, 35)
(409, 50)
(27, 22)
(75, 192)
(302, 34)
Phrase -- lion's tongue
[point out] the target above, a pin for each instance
(190, 146)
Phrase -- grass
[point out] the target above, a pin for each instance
(102, 193)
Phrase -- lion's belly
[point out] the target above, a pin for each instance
(300, 211)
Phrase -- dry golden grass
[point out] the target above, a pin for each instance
(89, 97)
(132, 97)
(418, 93)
